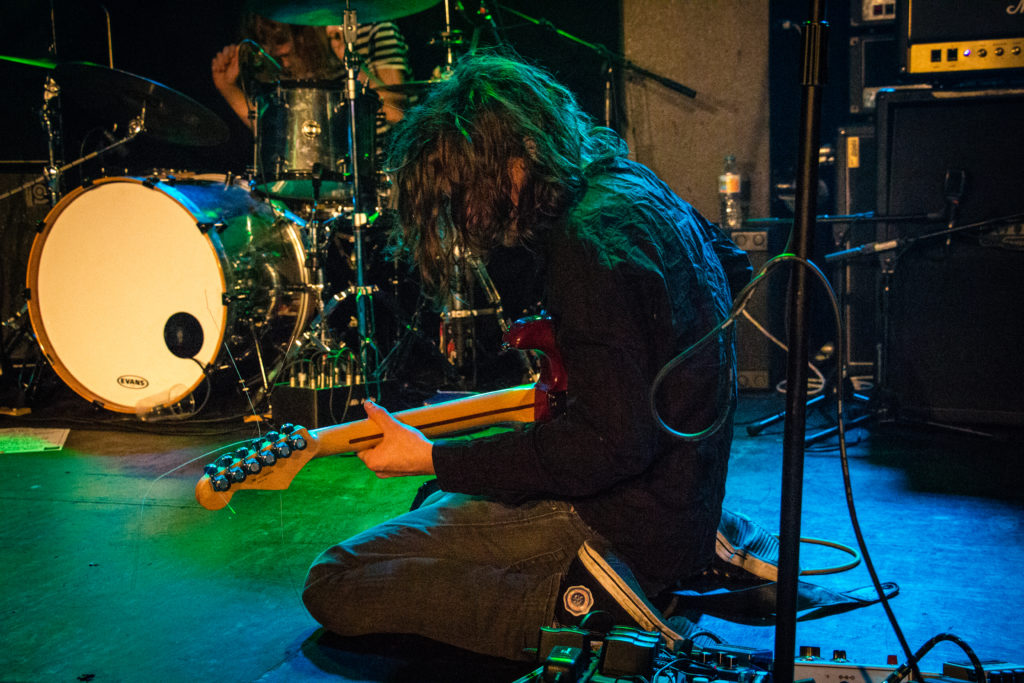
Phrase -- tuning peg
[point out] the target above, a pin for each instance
(220, 483)
(282, 449)
(211, 469)
(236, 474)
(252, 465)
(266, 456)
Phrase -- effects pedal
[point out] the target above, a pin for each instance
(839, 669)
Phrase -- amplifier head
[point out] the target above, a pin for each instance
(941, 39)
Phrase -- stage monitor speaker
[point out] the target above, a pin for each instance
(758, 359)
(952, 326)
(945, 39)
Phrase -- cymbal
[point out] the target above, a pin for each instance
(170, 115)
(41, 63)
(327, 13)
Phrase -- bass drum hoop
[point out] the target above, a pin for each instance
(184, 238)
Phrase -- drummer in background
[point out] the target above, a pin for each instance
(317, 53)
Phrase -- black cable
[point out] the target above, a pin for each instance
(725, 380)
(845, 465)
(739, 303)
(723, 393)
(912, 662)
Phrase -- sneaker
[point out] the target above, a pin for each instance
(598, 581)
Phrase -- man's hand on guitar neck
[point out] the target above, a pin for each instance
(403, 450)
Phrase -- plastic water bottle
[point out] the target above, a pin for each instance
(729, 186)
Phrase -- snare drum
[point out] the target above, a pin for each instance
(139, 285)
(302, 124)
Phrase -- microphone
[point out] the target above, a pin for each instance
(872, 248)
(257, 55)
(953, 189)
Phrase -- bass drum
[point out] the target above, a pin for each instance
(141, 287)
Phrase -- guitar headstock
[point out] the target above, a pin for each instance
(268, 463)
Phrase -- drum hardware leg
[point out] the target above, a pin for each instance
(259, 358)
(459, 318)
(10, 374)
(320, 239)
(364, 301)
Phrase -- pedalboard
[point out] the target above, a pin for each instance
(810, 665)
(574, 655)
(994, 671)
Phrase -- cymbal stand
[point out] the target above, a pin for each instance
(50, 115)
(52, 174)
(364, 296)
(450, 38)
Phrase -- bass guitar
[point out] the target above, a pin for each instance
(271, 462)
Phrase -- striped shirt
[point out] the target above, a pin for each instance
(383, 47)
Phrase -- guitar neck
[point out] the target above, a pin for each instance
(271, 465)
(517, 404)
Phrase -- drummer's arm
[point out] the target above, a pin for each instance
(239, 104)
(225, 70)
(394, 103)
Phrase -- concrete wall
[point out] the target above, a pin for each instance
(720, 49)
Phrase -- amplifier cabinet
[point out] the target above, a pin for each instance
(953, 304)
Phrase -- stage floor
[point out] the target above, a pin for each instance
(114, 573)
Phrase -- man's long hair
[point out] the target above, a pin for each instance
(453, 157)
(310, 45)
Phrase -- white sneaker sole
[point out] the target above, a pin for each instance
(637, 606)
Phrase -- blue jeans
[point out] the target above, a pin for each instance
(460, 569)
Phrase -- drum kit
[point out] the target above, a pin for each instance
(143, 290)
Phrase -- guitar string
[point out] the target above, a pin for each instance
(139, 530)
(211, 455)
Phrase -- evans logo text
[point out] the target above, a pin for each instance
(133, 382)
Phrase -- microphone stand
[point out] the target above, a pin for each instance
(813, 77)
(899, 242)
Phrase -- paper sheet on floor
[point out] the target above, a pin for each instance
(30, 440)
